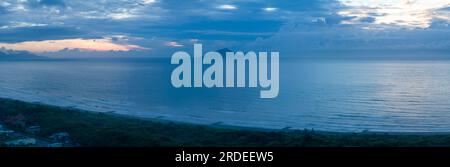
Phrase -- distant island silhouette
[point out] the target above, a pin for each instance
(6, 54)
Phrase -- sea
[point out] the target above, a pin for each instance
(326, 95)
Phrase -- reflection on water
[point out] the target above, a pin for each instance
(321, 94)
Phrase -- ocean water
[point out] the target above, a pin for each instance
(331, 95)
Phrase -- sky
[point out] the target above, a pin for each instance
(68, 28)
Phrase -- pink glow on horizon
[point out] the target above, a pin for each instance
(78, 43)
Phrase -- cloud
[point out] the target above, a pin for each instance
(148, 1)
(174, 44)
(270, 9)
(21, 25)
(298, 39)
(3, 6)
(194, 40)
(227, 7)
(81, 44)
(50, 2)
(411, 14)
(38, 33)
(122, 14)
(319, 24)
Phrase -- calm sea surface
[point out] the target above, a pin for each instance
(333, 95)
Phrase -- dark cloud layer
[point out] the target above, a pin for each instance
(318, 24)
(39, 33)
(2, 10)
(47, 3)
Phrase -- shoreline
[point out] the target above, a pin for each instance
(227, 126)
(97, 129)
(221, 125)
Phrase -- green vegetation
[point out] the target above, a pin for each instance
(99, 129)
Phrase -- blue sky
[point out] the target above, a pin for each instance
(160, 27)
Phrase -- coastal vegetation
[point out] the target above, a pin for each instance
(106, 129)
